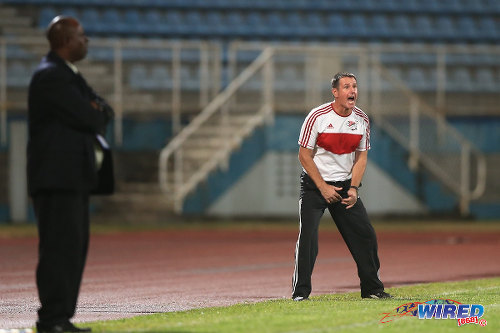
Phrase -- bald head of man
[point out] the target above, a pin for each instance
(67, 38)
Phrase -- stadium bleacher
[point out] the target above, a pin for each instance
(467, 29)
(447, 22)
(365, 20)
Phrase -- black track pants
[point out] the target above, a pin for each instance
(355, 228)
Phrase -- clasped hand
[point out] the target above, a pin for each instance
(331, 195)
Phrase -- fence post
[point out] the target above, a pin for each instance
(414, 134)
(118, 94)
(3, 91)
(465, 179)
(18, 196)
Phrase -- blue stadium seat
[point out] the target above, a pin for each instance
(484, 80)
(275, 25)
(70, 11)
(18, 74)
(90, 17)
(214, 26)
(459, 80)
(112, 20)
(402, 27)
(386, 84)
(289, 78)
(45, 16)
(193, 24)
(17, 52)
(380, 26)
(173, 23)
(424, 28)
(137, 76)
(357, 26)
(488, 28)
(445, 29)
(467, 28)
(153, 17)
(160, 77)
(315, 25)
(419, 80)
(190, 79)
(236, 25)
(337, 26)
(257, 24)
(134, 23)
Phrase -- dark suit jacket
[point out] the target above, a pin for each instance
(62, 130)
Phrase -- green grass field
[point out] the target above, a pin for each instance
(326, 313)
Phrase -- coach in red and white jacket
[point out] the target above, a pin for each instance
(334, 143)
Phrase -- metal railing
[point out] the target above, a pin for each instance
(412, 123)
(109, 69)
(182, 185)
(431, 142)
(384, 94)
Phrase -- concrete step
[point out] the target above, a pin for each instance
(134, 203)
(13, 20)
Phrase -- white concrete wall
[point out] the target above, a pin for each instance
(271, 188)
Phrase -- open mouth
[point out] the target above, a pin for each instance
(351, 98)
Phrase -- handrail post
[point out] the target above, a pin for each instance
(414, 134)
(176, 89)
(3, 91)
(267, 89)
(118, 94)
(375, 84)
(465, 179)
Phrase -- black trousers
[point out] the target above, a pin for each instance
(355, 228)
(63, 229)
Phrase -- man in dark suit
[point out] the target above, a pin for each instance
(65, 165)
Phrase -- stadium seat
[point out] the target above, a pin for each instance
(276, 26)
(337, 26)
(134, 22)
(236, 25)
(315, 25)
(358, 27)
(257, 24)
(424, 29)
(484, 80)
(417, 79)
(160, 77)
(45, 16)
(445, 29)
(289, 78)
(173, 23)
(190, 79)
(138, 76)
(111, 19)
(214, 26)
(402, 27)
(90, 17)
(459, 80)
(379, 26)
(193, 24)
(18, 74)
(488, 29)
(467, 28)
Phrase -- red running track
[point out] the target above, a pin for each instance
(128, 274)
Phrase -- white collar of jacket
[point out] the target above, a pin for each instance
(73, 67)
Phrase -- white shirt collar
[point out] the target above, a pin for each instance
(73, 67)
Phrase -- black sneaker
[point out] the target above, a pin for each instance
(378, 295)
(300, 298)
